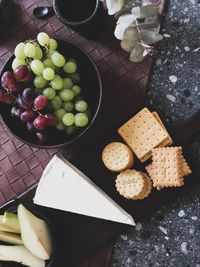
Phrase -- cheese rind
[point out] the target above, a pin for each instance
(64, 187)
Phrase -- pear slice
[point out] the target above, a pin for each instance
(6, 228)
(35, 233)
(20, 254)
(11, 238)
(11, 220)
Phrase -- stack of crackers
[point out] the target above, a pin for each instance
(144, 132)
(145, 136)
(168, 167)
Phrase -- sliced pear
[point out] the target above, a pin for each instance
(11, 220)
(5, 228)
(35, 233)
(11, 238)
(20, 254)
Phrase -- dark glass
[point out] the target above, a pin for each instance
(87, 17)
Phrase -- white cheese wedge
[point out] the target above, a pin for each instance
(64, 187)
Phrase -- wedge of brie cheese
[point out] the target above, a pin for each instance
(66, 188)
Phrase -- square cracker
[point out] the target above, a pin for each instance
(143, 133)
(168, 141)
(167, 167)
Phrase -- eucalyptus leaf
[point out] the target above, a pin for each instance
(144, 11)
(114, 6)
(123, 11)
(123, 23)
(150, 37)
(130, 39)
(137, 54)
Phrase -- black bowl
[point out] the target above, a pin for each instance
(91, 86)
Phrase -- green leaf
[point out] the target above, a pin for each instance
(122, 24)
(150, 37)
(149, 11)
(137, 54)
(144, 11)
(114, 6)
(130, 39)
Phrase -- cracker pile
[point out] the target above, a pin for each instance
(144, 132)
(168, 167)
(145, 136)
(132, 184)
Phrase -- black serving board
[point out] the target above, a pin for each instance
(75, 236)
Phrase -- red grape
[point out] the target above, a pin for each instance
(42, 137)
(21, 72)
(51, 119)
(40, 122)
(5, 98)
(30, 127)
(16, 112)
(29, 77)
(40, 102)
(20, 103)
(8, 81)
(27, 115)
(28, 96)
(47, 109)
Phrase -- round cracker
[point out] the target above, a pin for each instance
(117, 157)
(130, 183)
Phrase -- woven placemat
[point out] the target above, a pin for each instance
(21, 166)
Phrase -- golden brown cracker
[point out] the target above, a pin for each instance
(117, 156)
(130, 183)
(143, 133)
(166, 169)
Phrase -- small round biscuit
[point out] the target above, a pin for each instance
(148, 188)
(117, 157)
(130, 183)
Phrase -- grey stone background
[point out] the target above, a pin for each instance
(171, 236)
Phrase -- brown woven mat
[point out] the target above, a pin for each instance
(21, 165)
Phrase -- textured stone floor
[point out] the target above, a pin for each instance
(171, 237)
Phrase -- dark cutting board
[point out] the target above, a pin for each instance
(75, 236)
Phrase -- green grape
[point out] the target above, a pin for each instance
(37, 67)
(50, 93)
(76, 89)
(53, 44)
(60, 126)
(48, 74)
(81, 120)
(39, 82)
(48, 63)
(38, 53)
(58, 59)
(29, 50)
(66, 95)
(70, 67)
(73, 60)
(56, 102)
(19, 51)
(81, 106)
(68, 119)
(70, 129)
(60, 113)
(43, 38)
(68, 106)
(67, 83)
(57, 82)
(75, 77)
(18, 62)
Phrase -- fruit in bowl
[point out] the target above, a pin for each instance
(47, 93)
(29, 236)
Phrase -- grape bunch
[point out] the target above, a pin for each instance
(43, 88)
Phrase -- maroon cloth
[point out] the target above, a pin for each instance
(21, 166)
